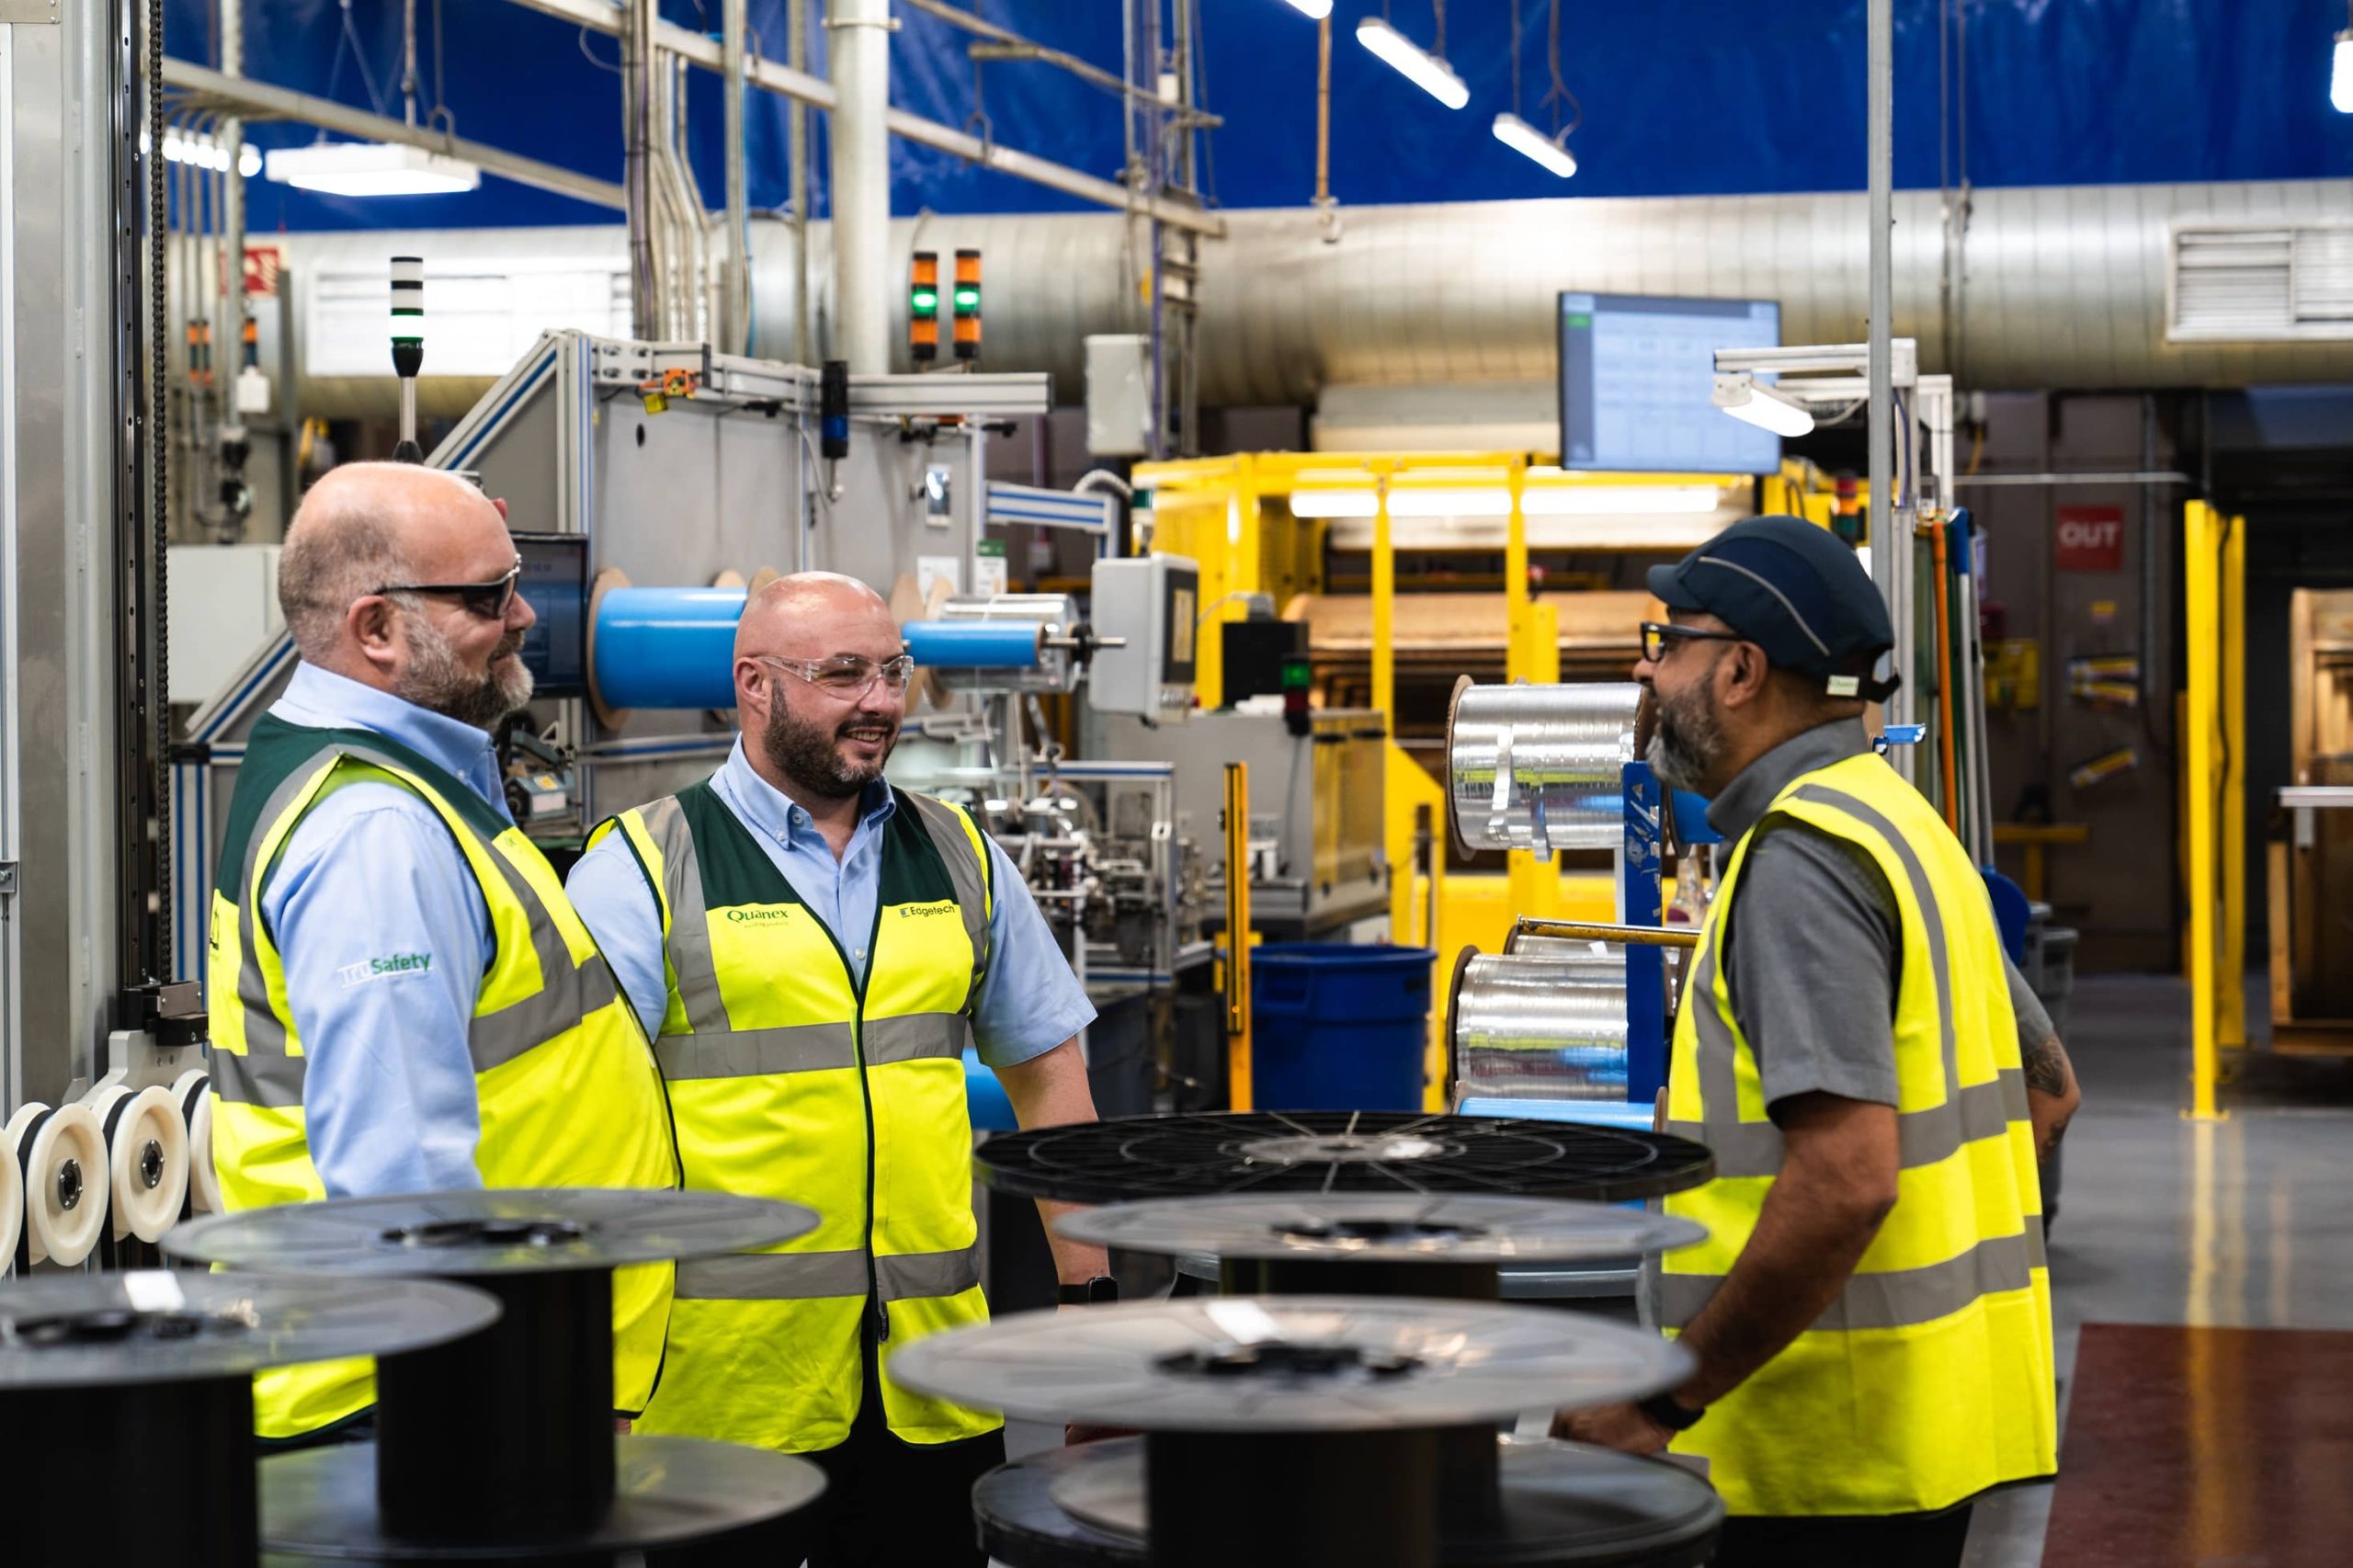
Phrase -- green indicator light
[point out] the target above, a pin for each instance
(1580, 321)
(1297, 674)
(927, 300)
(967, 299)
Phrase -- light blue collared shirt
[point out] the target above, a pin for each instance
(370, 883)
(1029, 1001)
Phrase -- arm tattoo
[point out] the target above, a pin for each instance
(2046, 1067)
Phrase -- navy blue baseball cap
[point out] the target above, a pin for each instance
(1793, 590)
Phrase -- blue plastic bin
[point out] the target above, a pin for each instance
(1338, 1027)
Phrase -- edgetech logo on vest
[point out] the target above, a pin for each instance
(925, 910)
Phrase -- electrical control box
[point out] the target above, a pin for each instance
(1152, 601)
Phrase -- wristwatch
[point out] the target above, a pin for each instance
(1093, 1292)
(1670, 1413)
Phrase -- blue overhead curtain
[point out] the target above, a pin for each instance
(1679, 97)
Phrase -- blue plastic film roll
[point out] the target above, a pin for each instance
(975, 644)
(667, 647)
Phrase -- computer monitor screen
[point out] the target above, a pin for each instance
(1636, 372)
(555, 584)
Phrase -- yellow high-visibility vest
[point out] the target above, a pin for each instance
(1930, 1379)
(792, 1080)
(566, 1086)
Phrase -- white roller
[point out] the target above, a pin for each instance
(146, 1157)
(193, 1090)
(12, 1211)
(64, 1158)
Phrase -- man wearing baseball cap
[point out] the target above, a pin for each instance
(1871, 1313)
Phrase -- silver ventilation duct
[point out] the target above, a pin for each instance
(2056, 287)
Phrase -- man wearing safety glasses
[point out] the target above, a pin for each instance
(812, 948)
(402, 1000)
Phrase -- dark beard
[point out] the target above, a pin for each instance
(808, 756)
(436, 680)
(1689, 739)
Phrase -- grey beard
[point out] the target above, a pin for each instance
(804, 754)
(1684, 746)
(436, 680)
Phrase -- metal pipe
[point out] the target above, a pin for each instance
(797, 52)
(233, 207)
(637, 171)
(1017, 47)
(735, 323)
(1890, 553)
(260, 100)
(602, 16)
(1589, 931)
(859, 53)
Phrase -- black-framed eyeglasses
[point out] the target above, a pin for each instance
(848, 676)
(489, 600)
(1659, 634)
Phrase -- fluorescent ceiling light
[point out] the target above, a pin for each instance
(1426, 71)
(204, 152)
(371, 168)
(1314, 10)
(1743, 397)
(1495, 501)
(1521, 137)
(2340, 77)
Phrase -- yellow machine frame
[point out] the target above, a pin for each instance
(2213, 792)
(1212, 510)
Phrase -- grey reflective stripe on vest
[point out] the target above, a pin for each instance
(270, 1082)
(966, 871)
(568, 992)
(773, 1276)
(265, 1031)
(689, 944)
(751, 1053)
(1927, 1135)
(819, 1276)
(1896, 1298)
(915, 1037)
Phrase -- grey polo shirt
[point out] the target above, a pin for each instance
(1814, 953)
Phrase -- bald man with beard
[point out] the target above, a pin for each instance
(812, 948)
(401, 999)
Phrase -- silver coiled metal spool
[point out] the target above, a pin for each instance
(1527, 1027)
(1055, 614)
(1536, 767)
(1570, 952)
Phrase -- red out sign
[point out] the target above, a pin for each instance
(2091, 539)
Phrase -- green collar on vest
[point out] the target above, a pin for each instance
(736, 869)
(277, 750)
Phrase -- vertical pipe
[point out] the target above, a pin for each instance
(1889, 553)
(1237, 936)
(1384, 609)
(1324, 110)
(2232, 837)
(797, 56)
(859, 46)
(637, 168)
(233, 212)
(735, 319)
(1948, 732)
(2199, 539)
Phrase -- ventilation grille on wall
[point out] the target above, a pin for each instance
(2277, 282)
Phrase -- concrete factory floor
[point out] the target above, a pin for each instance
(2245, 1223)
(2242, 1223)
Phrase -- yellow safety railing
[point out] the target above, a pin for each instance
(2213, 792)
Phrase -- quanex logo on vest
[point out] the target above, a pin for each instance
(744, 913)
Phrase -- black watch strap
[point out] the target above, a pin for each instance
(1092, 1292)
(1669, 1413)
